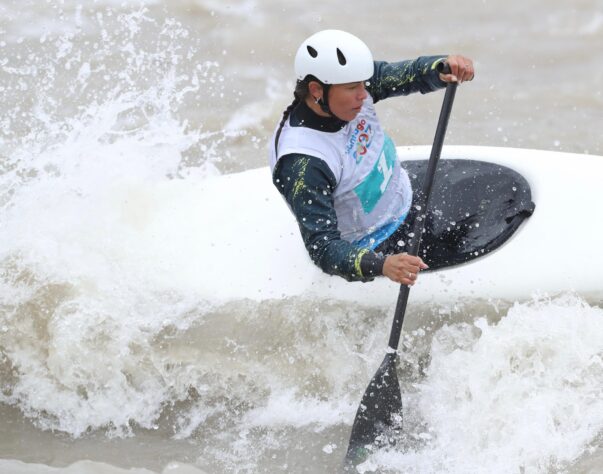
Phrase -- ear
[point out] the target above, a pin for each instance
(315, 89)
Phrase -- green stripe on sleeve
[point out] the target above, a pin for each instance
(357, 262)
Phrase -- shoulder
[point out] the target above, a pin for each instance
(326, 147)
(314, 170)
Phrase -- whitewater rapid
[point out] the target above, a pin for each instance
(113, 355)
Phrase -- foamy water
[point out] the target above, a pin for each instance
(111, 356)
(524, 393)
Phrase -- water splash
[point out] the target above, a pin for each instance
(523, 394)
(95, 121)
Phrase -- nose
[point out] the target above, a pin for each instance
(363, 93)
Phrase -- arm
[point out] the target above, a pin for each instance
(307, 184)
(405, 77)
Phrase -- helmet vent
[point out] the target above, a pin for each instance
(311, 51)
(341, 57)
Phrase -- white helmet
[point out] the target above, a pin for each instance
(334, 57)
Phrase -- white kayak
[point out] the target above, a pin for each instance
(251, 246)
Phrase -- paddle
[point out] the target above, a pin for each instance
(380, 411)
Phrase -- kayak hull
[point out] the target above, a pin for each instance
(255, 251)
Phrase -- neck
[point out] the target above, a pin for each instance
(305, 116)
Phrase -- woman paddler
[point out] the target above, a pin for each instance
(337, 168)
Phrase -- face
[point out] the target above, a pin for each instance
(345, 100)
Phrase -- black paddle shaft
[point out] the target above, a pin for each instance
(423, 202)
(381, 407)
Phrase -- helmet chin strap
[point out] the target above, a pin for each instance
(324, 101)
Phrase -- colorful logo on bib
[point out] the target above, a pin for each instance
(360, 141)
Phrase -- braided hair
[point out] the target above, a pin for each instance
(300, 93)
